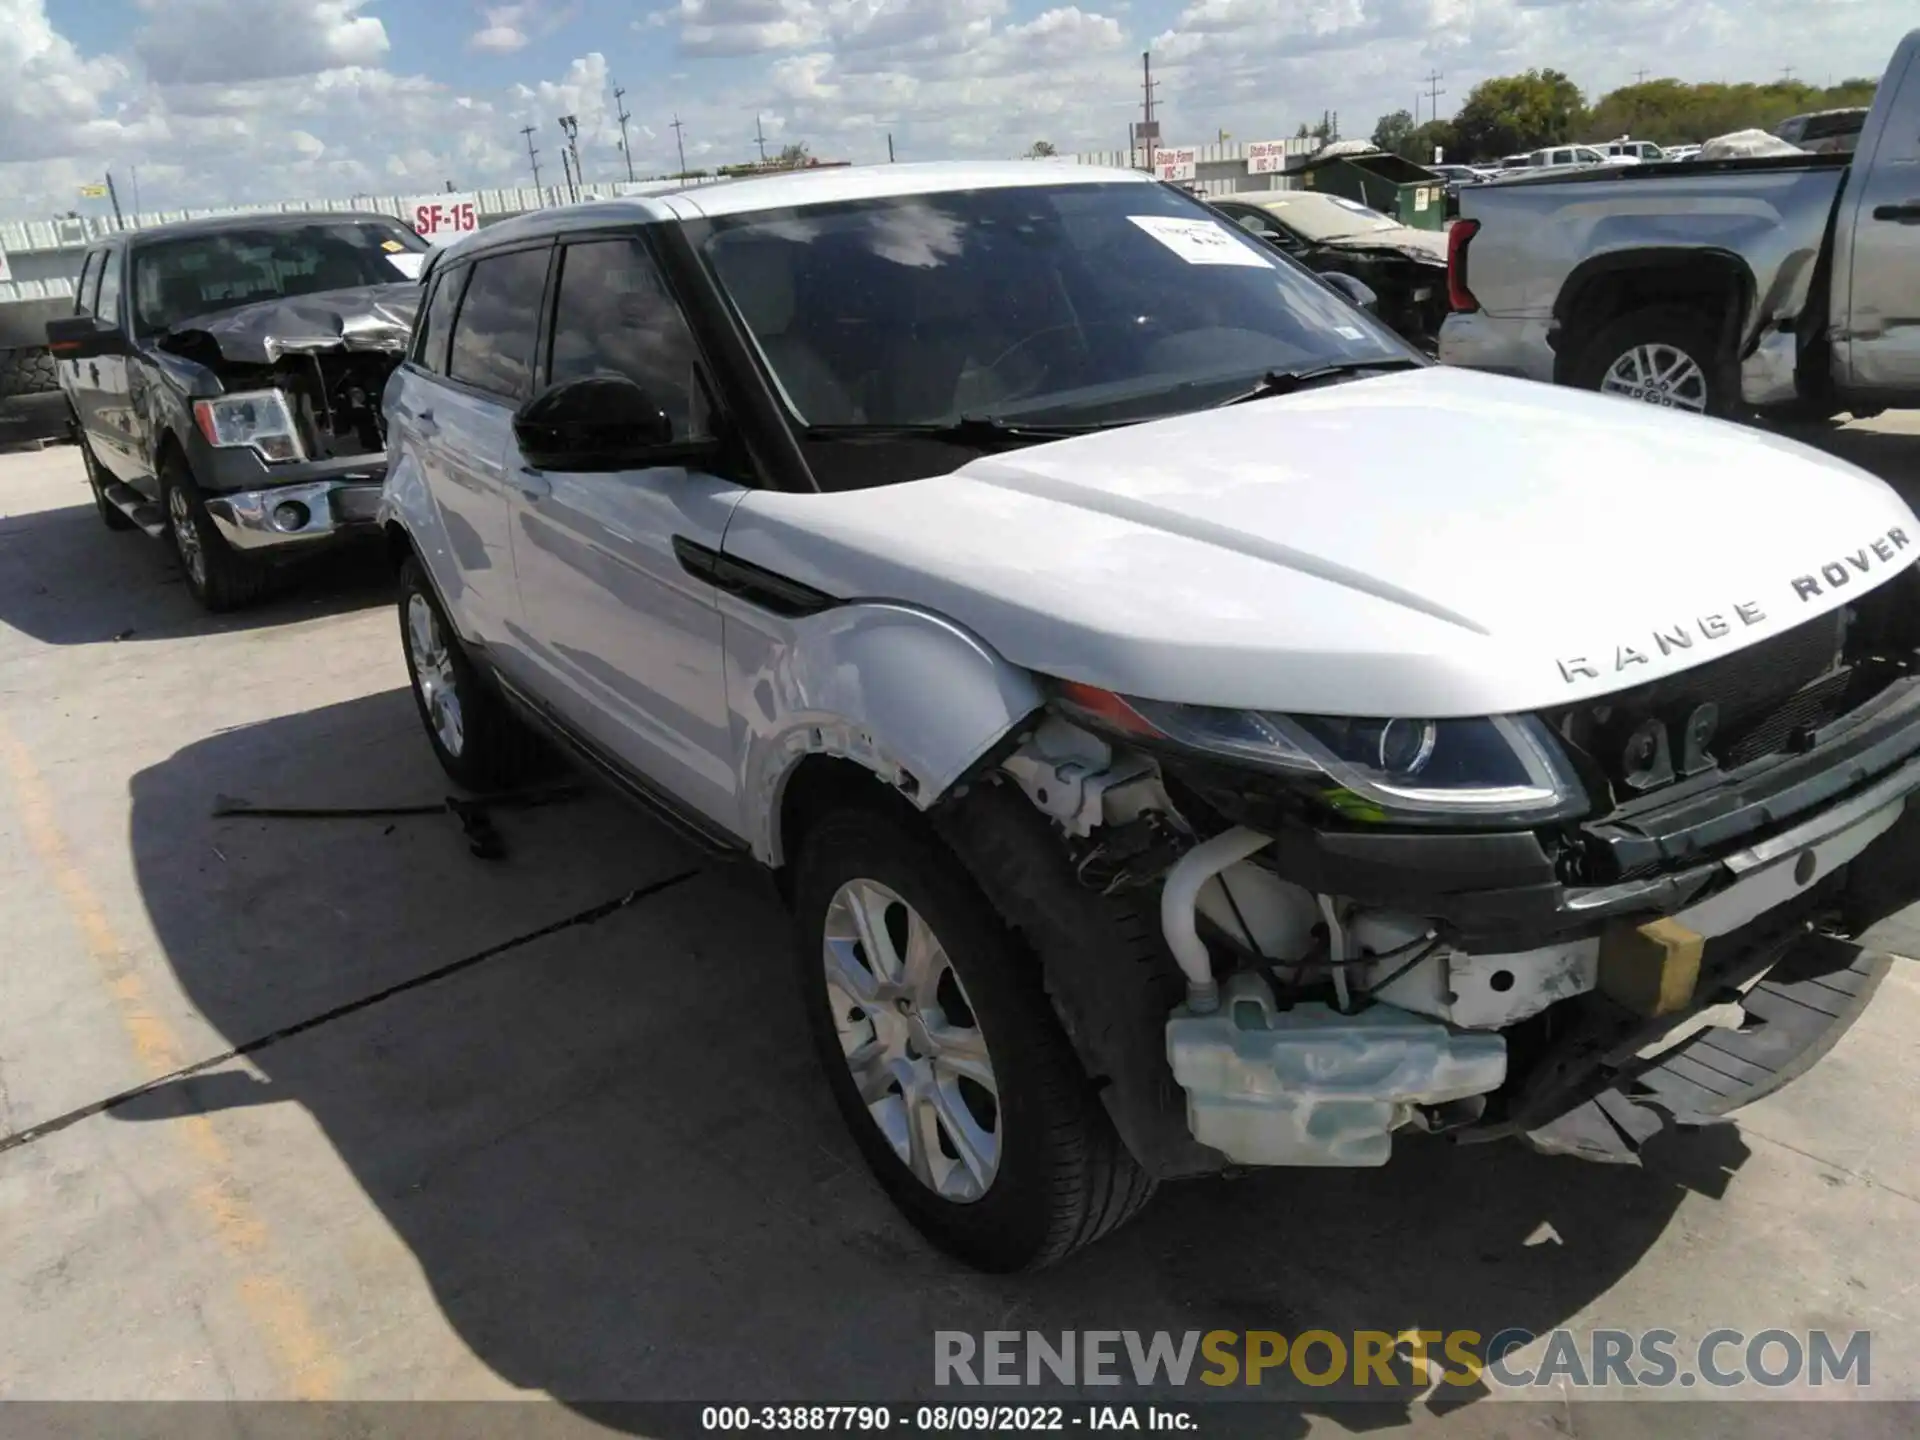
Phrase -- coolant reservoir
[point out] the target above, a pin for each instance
(1310, 1086)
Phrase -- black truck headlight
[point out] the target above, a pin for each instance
(257, 419)
(1495, 769)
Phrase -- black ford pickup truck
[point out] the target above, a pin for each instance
(225, 378)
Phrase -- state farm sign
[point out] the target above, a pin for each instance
(1180, 164)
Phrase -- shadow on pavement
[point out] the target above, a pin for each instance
(619, 1171)
(66, 579)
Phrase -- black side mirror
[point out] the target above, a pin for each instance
(1358, 293)
(84, 337)
(597, 422)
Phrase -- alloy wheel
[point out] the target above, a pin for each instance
(911, 1038)
(186, 536)
(1657, 374)
(433, 674)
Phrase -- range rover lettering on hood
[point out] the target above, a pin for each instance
(1836, 573)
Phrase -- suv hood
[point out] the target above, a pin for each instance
(1433, 543)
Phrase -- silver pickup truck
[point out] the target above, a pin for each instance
(1786, 285)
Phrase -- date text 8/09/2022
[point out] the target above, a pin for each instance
(945, 1419)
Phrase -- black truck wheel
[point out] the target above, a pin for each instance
(1664, 355)
(111, 515)
(220, 577)
(943, 1052)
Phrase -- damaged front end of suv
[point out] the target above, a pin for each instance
(1570, 926)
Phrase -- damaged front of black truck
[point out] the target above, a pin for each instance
(266, 373)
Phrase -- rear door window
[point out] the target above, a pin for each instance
(498, 320)
(615, 315)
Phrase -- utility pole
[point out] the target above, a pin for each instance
(890, 147)
(114, 195)
(623, 116)
(760, 138)
(570, 127)
(135, 169)
(1148, 134)
(680, 141)
(1786, 73)
(1434, 92)
(533, 155)
(1640, 76)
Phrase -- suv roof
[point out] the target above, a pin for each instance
(794, 189)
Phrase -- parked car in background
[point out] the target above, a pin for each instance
(1048, 582)
(226, 378)
(1825, 132)
(1457, 177)
(1677, 153)
(1562, 157)
(1782, 284)
(1638, 151)
(32, 409)
(1515, 162)
(1406, 268)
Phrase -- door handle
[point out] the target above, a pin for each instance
(1907, 214)
(532, 484)
(424, 422)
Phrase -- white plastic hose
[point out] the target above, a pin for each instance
(1180, 898)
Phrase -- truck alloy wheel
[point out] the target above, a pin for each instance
(433, 675)
(911, 1040)
(186, 537)
(1661, 375)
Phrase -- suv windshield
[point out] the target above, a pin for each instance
(176, 280)
(1086, 302)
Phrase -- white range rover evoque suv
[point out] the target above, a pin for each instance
(1192, 731)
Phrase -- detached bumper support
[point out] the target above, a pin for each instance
(298, 514)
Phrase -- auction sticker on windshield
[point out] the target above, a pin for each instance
(1200, 242)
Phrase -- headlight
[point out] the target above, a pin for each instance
(259, 419)
(1488, 770)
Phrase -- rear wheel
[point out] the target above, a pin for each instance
(1666, 356)
(220, 577)
(479, 742)
(943, 1052)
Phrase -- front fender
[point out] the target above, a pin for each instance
(909, 695)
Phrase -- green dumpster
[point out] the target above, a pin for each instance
(1410, 193)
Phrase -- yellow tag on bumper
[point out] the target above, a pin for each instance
(1651, 969)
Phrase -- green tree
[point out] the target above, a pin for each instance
(1041, 149)
(794, 156)
(1519, 112)
(1394, 132)
(1671, 112)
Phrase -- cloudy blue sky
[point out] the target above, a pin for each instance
(212, 101)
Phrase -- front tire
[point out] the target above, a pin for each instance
(479, 742)
(943, 1052)
(1665, 355)
(220, 577)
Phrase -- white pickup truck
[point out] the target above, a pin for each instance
(1786, 285)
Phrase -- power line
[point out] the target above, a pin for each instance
(623, 117)
(533, 155)
(680, 140)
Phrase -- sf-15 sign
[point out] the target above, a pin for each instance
(444, 218)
